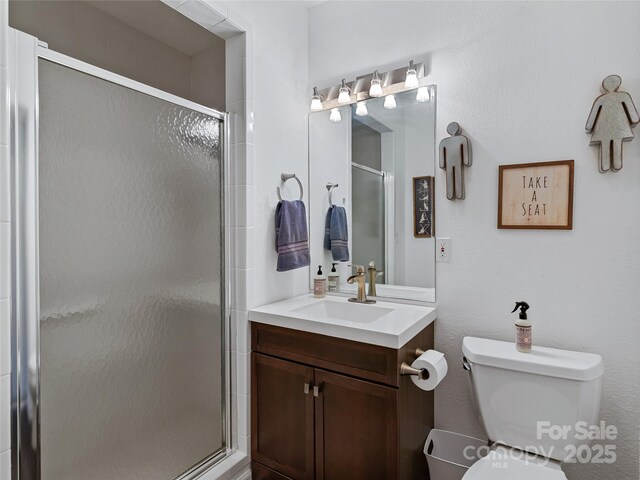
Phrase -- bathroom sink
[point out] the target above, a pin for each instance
(384, 323)
(344, 311)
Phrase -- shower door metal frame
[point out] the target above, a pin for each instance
(24, 53)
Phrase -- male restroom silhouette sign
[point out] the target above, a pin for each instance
(455, 153)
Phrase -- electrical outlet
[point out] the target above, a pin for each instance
(443, 249)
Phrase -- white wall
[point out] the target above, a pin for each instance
(280, 107)
(5, 219)
(520, 78)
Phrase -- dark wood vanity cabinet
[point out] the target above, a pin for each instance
(283, 434)
(334, 409)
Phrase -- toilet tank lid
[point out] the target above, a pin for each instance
(551, 362)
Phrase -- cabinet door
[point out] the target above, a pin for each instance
(356, 429)
(282, 416)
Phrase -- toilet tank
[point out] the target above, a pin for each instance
(541, 401)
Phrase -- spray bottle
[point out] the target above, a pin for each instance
(523, 328)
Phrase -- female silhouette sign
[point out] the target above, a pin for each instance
(612, 116)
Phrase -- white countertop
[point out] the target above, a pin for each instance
(384, 323)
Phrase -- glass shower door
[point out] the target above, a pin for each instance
(131, 281)
(368, 217)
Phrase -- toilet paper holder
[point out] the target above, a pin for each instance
(406, 369)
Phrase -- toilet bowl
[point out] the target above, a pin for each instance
(518, 394)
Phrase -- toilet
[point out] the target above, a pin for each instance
(523, 401)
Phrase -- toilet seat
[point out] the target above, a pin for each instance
(504, 463)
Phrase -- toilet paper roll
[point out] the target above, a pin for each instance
(434, 363)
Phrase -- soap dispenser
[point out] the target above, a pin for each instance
(319, 284)
(523, 328)
(333, 279)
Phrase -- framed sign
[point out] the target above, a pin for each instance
(423, 207)
(536, 195)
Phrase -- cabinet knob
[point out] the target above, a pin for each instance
(306, 388)
(316, 390)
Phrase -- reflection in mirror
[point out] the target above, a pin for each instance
(373, 154)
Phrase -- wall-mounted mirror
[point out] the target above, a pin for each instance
(375, 155)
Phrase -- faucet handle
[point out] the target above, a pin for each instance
(359, 268)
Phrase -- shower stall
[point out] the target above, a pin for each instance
(120, 305)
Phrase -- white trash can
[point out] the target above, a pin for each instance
(450, 455)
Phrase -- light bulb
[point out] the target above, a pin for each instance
(316, 101)
(411, 80)
(316, 104)
(376, 86)
(343, 93)
(335, 116)
(361, 109)
(343, 97)
(423, 94)
(389, 102)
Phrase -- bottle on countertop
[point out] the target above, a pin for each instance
(523, 328)
(333, 279)
(319, 284)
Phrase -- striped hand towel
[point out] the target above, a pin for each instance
(292, 239)
(336, 236)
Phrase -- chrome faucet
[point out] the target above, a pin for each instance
(373, 276)
(360, 278)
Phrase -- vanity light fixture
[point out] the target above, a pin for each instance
(316, 101)
(423, 94)
(343, 96)
(390, 102)
(411, 80)
(361, 109)
(335, 116)
(376, 86)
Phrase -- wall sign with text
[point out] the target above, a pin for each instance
(536, 195)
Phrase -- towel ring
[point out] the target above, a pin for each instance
(330, 187)
(287, 176)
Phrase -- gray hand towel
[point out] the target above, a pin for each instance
(292, 239)
(336, 236)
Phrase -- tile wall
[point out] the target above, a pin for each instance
(241, 233)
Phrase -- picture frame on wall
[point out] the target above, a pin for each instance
(536, 195)
(423, 207)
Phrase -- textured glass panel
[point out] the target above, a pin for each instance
(368, 218)
(130, 282)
